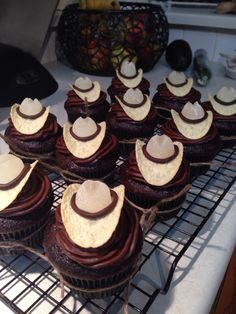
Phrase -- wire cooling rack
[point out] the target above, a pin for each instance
(28, 284)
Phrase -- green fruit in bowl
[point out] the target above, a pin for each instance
(120, 53)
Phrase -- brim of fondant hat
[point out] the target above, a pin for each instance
(131, 83)
(27, 126)
(90, 96)
(83, 149)
(158, 174)
(225, 110)
(22, 76)
(8, 196)
(85, 232)
(180, 91)
(136, 114)
(192, 131)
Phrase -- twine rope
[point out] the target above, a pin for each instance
(149, 214)
(126, 281)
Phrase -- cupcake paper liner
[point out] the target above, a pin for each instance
(171, 207)
(104, 287)
(31, 237)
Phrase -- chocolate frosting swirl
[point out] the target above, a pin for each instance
(119, 248)
(32, 196)
(102, 213)
(108, 145)
(50, 128)
(165, 98)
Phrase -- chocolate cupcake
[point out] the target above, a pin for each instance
(87, 149)
(132, 116)
(32, 129)
(223, 106)
(156, 174)
(94, 242)
(194, 128)
(127, 76)
(86, 99)
(174, 94)
(26, 199)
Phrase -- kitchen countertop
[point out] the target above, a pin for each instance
(200, 271)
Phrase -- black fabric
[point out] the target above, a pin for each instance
(22, 76)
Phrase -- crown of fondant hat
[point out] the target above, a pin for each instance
(135, 97)
(129, 75)
(224, 102)
(86, 137)
(30, 107)
(193, 122)
(84, 83)
(13, 177)
(159, 147)
(84, 127)
(193, 111)
(178, 84)
(128, 69)
(227, 94)
(91, 197)
(86, 89)
(88, 196)
(177, 78)
(29, 117)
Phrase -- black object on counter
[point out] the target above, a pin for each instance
(22, 76)
(179, 55)
(201, 67)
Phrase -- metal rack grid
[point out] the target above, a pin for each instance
(28, 284)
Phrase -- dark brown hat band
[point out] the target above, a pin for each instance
(85, 138)
(193, 121)
(83, 90)
(102, 213)
(128, 77)
(25, 116)
(16, 181)
(134, 105)
(224, 103)
(160, 160)
(176, 85)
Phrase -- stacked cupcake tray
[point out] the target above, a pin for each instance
(28, 284)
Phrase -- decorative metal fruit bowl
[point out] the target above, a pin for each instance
(97, 41)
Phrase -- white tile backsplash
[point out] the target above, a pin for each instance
(175, 33)
(224, 43)
(201, 39)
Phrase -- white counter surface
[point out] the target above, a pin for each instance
(201, 270)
